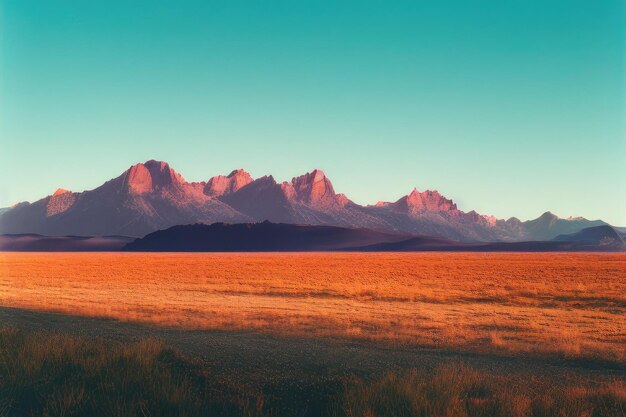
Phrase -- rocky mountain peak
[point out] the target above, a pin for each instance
(60, 191)
(221, 185)
(548, 215)
(147, 177)
(429, 200)
(547, 218)
(313, 187)
(239, 173)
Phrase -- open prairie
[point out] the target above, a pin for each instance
(559, 305)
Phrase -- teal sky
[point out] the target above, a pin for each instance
(510, 108)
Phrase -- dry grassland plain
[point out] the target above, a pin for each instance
(562, 305)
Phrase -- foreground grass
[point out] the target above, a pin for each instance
(61, 375)
(45, 374)
(458, 391)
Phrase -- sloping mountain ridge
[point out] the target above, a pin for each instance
(151, 196)
(144, 198)
(598, 235)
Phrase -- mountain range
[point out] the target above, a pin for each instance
(151, 196)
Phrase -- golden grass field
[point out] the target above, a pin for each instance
(571, 305)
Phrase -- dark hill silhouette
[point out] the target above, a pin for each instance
(258, 237)
(599, 235)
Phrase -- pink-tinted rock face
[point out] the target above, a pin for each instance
(147, 177)
(221, 185)
(491, 220)
(59, 202)
(342, 199)
(60, 191)
(312, 186)
(288, 190)
(315, 189)
(417, 202)
(139, 179)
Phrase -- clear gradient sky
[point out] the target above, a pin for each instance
(510, 108)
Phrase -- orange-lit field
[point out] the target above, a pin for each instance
(570, 305)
